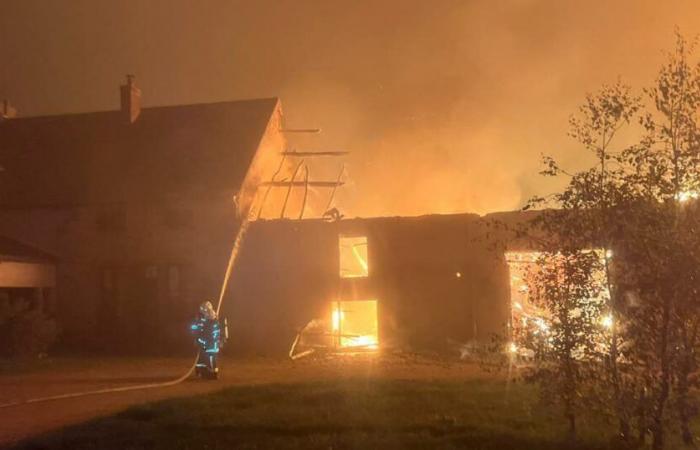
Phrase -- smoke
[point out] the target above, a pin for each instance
(446, 106)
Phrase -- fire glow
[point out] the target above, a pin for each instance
(687, 196)
(353, 257)
(354, 324)
(528, 318)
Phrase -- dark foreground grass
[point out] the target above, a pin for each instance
(343, 414)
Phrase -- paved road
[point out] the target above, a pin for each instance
(82, 375)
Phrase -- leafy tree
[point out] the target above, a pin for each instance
(583, 217)
(661, 242)
(567, 288)
(637, 203)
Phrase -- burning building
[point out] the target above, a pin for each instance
(139, 208)
(428, 282)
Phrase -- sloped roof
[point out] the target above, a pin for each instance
(11, 250)
(77, 159)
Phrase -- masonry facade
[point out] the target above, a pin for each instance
(139, 206)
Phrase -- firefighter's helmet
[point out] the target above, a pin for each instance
(206, 309)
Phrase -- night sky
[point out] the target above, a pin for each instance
(446, 105)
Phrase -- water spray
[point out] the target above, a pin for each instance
(229, 269)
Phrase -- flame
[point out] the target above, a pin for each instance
(336, 318)
(355, 323)
(687, 195)
(527, 317)
(542, 325)
(361, 341)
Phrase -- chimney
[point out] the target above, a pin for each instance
(131, 99)
(7, 111)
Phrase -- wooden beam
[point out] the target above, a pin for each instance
(312, 153)
(318, 184)
(306, 192)
(290, 184)
(300, 130)
(269, 187)
(338, 183)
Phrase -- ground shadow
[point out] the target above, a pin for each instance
(343, 414)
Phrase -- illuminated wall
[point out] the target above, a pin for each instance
(289, 273)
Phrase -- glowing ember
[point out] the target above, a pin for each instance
(542, 325)
(336, 318)
(355, 324)
(362, 341)
(687, 195)
(528, 319)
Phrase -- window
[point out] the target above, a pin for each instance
(354, 323)
(353, 257)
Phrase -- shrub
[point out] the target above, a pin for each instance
(25, 332)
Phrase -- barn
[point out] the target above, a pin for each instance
(139, 208)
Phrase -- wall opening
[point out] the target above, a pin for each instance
(353, 257)
(354, 324)
(529, 317)
(520, 265)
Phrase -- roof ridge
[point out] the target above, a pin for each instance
(184, 150)
(145, 108)
(22, 250)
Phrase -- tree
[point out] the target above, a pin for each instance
(566, 287)
(636, 203)
(579, 228)
(661, 240)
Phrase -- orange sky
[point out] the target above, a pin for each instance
(446, 105)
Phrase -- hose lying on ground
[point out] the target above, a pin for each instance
(232, 259)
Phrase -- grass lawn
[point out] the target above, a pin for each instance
(352, 412)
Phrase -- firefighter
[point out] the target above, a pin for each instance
(207, 332)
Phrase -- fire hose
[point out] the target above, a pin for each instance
(229, 268)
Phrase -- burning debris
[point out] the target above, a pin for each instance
(351, 327)
(354, 324)
(686, 196)
(530, 320)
